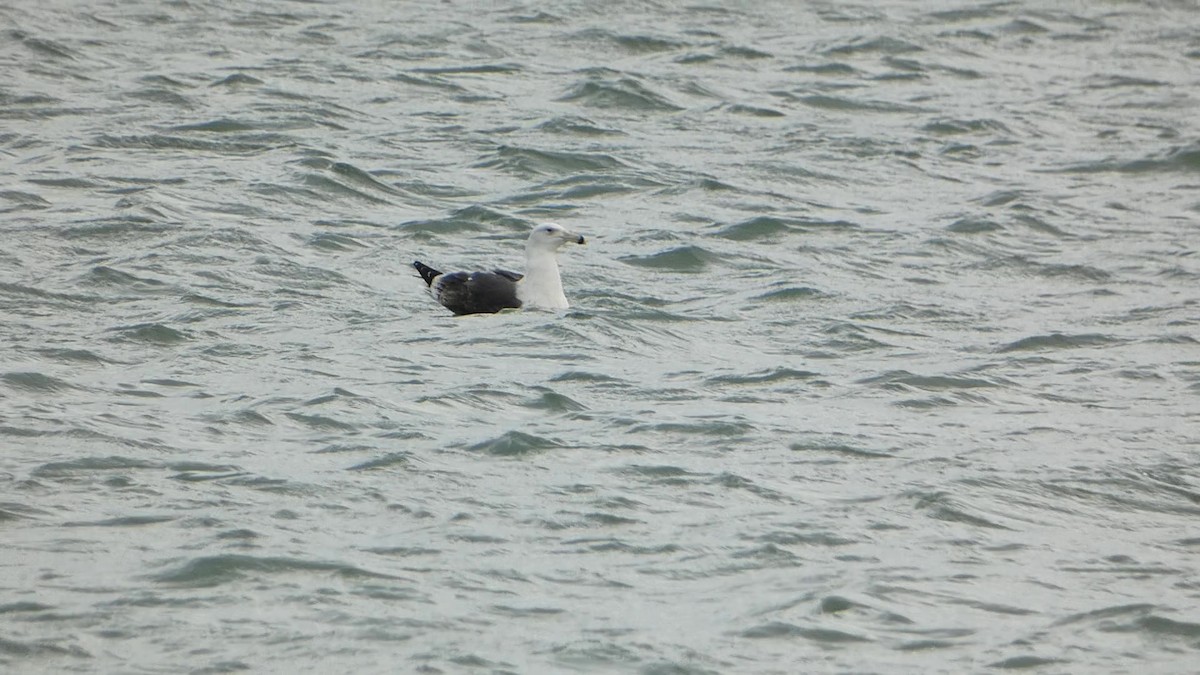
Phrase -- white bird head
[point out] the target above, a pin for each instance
(551, 237)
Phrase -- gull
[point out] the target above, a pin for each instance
(490, 292)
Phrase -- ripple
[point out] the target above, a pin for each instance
(689, 259)
(40, 649)
(219, 126)
(576, 187)
(293, 275)
(1057, 341)
(22, 201)
(969, 13)
(126, 521)
(850, 337)
(334, 242)
(474, 69)
(46, 47)
(150, 333)
(1116, 81)
(880, 45)
(619, 94)
(762, 227)
(767, 377)
(941, 506)
(514, 443)
(713, 427)
(90, 464)
(789, 293)
(901, 380)
(165, 96)
(31, 381)
(1185, 158)
(634, 44)
(835, 448)
(65, 355)
(841, 103)
(320, 422)
(780, 629)
(428, 81)
(330, 187)
(237, 80)
(526, 612)
(753, 111)
(530, 162)
(389, 460)
(1023, 662)
(666, 473)
(552, 401)
(580, 126)
(26, 606)
(166, 142)
(834, 68)
(587, 377)
(217, 570)
(455, 223)
(805, 538)
(119, 228)
(104, 275)
(11, 511)
(973, 225)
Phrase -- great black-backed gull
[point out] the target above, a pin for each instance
(489, 292)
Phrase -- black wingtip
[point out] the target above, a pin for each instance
(427, 272)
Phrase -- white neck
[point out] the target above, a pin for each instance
(542, 286)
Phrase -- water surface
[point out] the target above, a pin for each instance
(882, 355)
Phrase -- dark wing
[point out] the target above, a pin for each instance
(511, 276)
(476, 293)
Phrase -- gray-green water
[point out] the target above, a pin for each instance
(882, 355)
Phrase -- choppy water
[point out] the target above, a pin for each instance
(882, 356)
